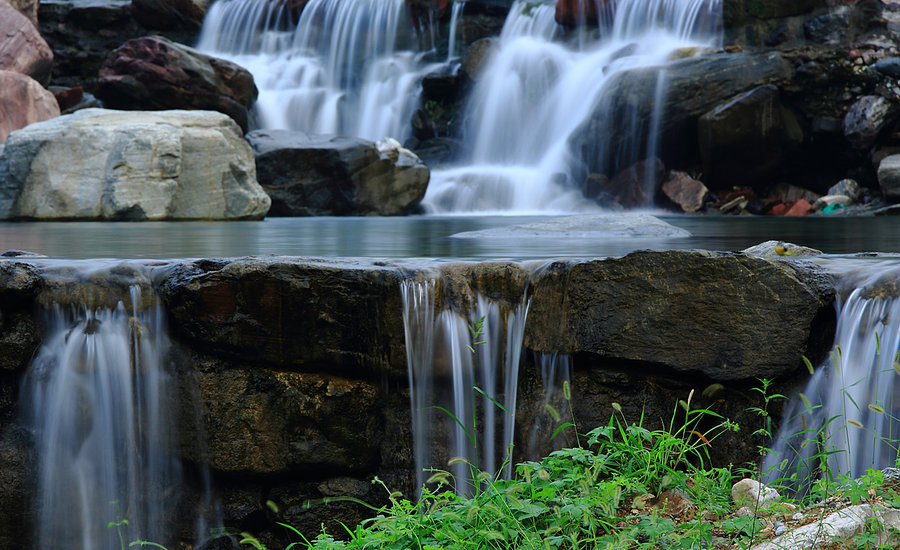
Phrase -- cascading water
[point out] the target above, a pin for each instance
(100, 407)
(344, 67)
(439, 356)
(536, 92)
(100, 397)
(847, 412)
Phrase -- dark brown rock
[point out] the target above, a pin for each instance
(700, 312)
(154, 73)
(263, 422)
(22, 102)
(297, 314)
(22, 49)
(636, 185)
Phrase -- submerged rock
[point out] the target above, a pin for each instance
(312, 175)
(584, 226)
(111, 165)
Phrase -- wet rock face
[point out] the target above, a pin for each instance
(294, 370)
(154, 73)
(292, 314)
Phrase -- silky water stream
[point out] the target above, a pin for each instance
(102, 397)
(845, 420)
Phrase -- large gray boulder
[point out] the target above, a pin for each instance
(313, 175)
(111, 165)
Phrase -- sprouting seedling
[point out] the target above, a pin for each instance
(477, 331)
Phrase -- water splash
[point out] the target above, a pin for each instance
(343, 67)
(538, 89)
(443, 372)
(846, 414)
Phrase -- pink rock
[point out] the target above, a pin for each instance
(22, 102)
(685, 191)
(21, 47)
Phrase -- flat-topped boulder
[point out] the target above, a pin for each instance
(100, 164)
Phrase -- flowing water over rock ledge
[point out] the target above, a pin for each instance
(298, 367)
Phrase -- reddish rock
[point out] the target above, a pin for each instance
(800, 208)
(780, 209)
(69, 97)
(685, 191)
(22, 102)
(153, 73)
(21, 47)
(572, 13)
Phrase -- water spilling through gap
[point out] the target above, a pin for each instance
(100, 396)
(847, 411)
(445, 364)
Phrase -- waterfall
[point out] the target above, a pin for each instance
(445, 366)
(538, 89)
(100, 398)
(846, 413)
(341, 67)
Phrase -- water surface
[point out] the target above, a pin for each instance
(424, 237)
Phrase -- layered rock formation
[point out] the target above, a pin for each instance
(113, 165)
(298, 367)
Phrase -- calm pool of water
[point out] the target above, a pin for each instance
(425, 236)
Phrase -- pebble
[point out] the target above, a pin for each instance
(780, 529)
(798, 516)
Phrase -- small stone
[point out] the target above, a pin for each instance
(685, 191)
(800, 208)
(830, 200)
(744, 512)
(847, 187)
(750, 492)
(798, 516)
(780, 529)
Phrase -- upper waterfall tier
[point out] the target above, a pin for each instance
(348, 68)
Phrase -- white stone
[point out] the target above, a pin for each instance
(130, 165)
(753, 494)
